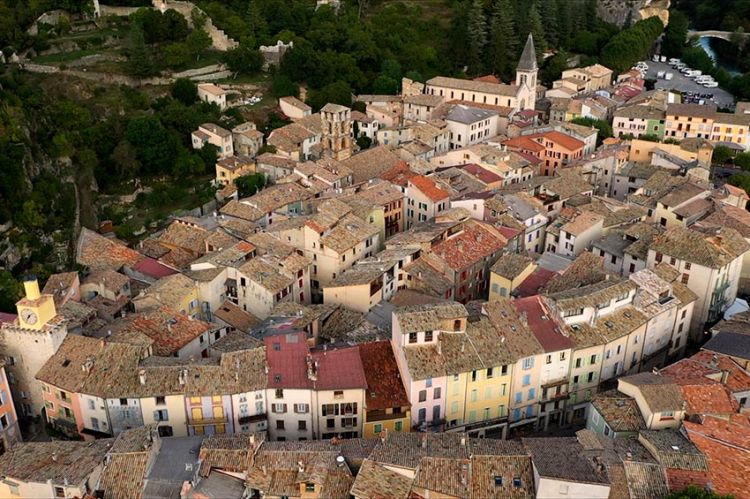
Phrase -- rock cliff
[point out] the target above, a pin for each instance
(628, 12)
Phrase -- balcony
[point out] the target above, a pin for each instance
(380, 415)
(253, 419)
(208, 421)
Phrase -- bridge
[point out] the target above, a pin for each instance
(724, 35)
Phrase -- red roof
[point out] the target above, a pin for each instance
(339, 369)
(483, 174)
(542, 324)
(726, 445)
(529, 157)
(536, 281)
(508, 232)
(7, 318)
(384, 386)
(429, 188)
(153, 268)
(488, 79)
(287, 365)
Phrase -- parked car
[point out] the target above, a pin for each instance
(669, 76)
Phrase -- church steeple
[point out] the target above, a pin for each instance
(528, 57)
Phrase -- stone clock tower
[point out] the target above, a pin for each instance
(28, 343)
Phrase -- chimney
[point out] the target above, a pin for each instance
(312, 373)
(54, 457)
(424, 440)
(183, 377)
(265, 470)
(463, 441)
(300, 467)
(724, 376)
(102, 344)
(524, 318)
(142, 376)
(464, 473)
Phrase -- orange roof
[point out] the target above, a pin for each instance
(429, 188)
(562, 139)
(474, 243)
(525, 143)
(488, 79)
(712, 399)
(400, 174)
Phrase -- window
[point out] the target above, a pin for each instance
(378, 428)
(549, 359)
(579, 361)
(590, 377)
(498, 481)
(338, 394)
(593, 359)
(436, 393)
(92, 405)
(302, 425)
(489, 372)
(526, 380)
(517, 483)
(309, 487)
(399, 425)
(532, 393)
(687, 265)
(422, 395)
(279, 393)
(428, 335)
(528, 363)
(685, 278)
(161, 415)
(59, 492)
(160, 401)
(301, 408)
(428, 383)
(122, 401)
(278, 408)
(280, 424)
(412, 337)
(330, 409)
(666, 415)
(573, 312)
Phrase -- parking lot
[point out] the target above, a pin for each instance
(681, 83)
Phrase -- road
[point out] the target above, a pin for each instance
(721, 97)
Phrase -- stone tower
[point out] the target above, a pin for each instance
(337, 131)
(526, 76)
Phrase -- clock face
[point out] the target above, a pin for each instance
(28, 316)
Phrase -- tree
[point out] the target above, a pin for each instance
(197, 42)
(10, 291)
(364, 142)
(31, 216)
(742, 160)
(536, 28)
(675, 34)
(283, 86)
(721, 155)
(247, 185)
(156, 147)
(385, 85)
(256, 24)
(177, 55)
(139, 60)
(175, 26)
(337, 93)
(549, 18)
(477, 27)
(185, 91)
(604, 128)
(503, 45)
(693, 492)
(125, 160)
(243, 59)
